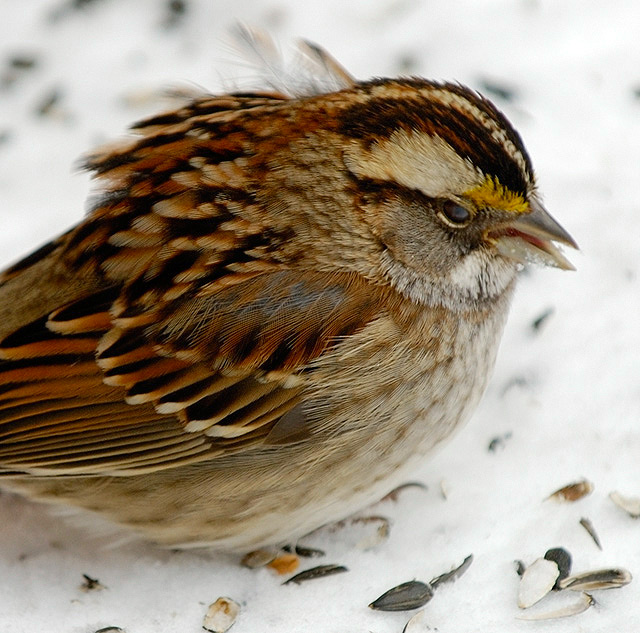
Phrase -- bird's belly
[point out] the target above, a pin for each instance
(370, 439)
(374, 418)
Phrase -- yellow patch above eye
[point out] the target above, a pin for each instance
(492, 194)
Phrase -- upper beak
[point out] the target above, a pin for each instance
(531, 237)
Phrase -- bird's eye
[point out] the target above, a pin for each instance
(454, 214)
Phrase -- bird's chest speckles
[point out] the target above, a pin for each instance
(404, 387)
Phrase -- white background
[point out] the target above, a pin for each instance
(568, 394)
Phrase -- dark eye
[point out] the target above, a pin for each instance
(454, 214)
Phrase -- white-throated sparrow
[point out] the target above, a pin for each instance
(277, 306)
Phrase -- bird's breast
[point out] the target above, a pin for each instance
(407, 380)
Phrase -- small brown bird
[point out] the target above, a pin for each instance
(278, 305)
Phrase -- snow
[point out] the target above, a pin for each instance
(565, 398)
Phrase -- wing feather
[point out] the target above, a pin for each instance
(175, 323)
(122, 401)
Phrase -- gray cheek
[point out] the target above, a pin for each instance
(416, 240)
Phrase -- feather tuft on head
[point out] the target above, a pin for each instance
(312, 71)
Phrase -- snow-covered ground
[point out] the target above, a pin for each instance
(565, 397)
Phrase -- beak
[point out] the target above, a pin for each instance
(531, 237)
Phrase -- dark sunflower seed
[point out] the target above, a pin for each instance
(405, 597)
(316, 572)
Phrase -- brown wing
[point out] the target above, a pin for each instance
(177, 322)
(80, 395)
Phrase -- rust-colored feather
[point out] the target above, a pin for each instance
(193, 331)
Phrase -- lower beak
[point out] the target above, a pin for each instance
(530, 239)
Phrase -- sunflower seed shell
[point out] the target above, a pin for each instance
(416, 623)
(631, 505)
(573, 492)
(598, 579)
(591, 531)
(537, 581)
(221, 615)
(316, 572)
(452, 575)
(580, 606)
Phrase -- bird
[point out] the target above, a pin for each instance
(279, 304)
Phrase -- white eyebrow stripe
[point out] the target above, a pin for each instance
(416, 161)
